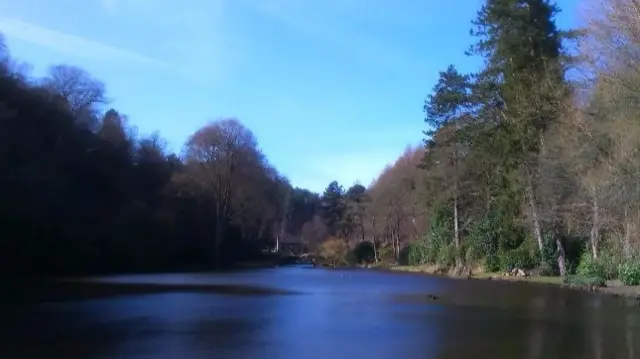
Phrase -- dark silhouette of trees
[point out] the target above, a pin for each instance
(82, 192)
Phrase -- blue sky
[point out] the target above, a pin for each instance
(332, 89)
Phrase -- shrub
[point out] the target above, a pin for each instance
(629, 272)
(492, 263)
(417, 253)
(387, 254)
(548, 256)
(447, 256)
(547, 270)
(521, 257)
(334, 251)
(363, 253)
(606, 266)
(482, 239)
(580, 280)
(590, 267)
(610, 260)
(471, 254)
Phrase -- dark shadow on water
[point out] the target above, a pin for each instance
(342, 315)
(55, 291)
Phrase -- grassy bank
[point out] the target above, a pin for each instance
(611, 287)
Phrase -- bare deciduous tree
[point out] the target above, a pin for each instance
(83, 94)
(218, 151)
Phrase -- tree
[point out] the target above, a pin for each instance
(358, 201)
(89, 199)
(396, 211)
(83, 94)
(334, 250)
(447, 110)
(303, 206)
(216, 152)
(314, 232)
(333, 208)
(523, 53)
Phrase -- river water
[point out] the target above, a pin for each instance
(318, 313)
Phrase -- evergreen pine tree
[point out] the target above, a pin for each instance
(519, 94)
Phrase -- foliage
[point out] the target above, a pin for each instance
(606, 266)
(579, 280)
(492, 263)
(447, 255)
(520, 168)
(334, 251)
(629, 272)
(546, 270)
(522, 257)
(482, 239)
(548, 261)
(387, 254)
(333, 208)
(82, 192)
(417, 253)
(590, 267)
(363, 253)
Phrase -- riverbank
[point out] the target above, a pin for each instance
(613, 288)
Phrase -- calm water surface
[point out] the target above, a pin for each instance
(327, 314)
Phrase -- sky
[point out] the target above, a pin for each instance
(332, 89)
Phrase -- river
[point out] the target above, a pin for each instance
(328, 314)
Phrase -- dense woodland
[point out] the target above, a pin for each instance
(82, 192)
(531, 162)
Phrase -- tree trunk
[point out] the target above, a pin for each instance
(595, 228)
(629, 232)
(456, 228)
(537, 228)
(218, 239)
(561, 256)
(397, 239)
(373, 232)
(456, 221)
(375, 251)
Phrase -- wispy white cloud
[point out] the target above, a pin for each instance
(74, 45)
(198, 36)
(192, 56)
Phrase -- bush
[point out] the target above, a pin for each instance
(629, 272)
(549, 258)
(610, 260)
(521, 257)
(387, 254)
(606, 266)
(492, 263)
(471, 254)
(547, 270)
(590, 267)
(482, 239)
(417, 253)
(334, 251)
(362, 253)
(580, 280)
(447, 256)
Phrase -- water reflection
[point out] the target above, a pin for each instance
(337, 314)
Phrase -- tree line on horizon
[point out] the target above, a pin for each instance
(531, 162)
(82, 192)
